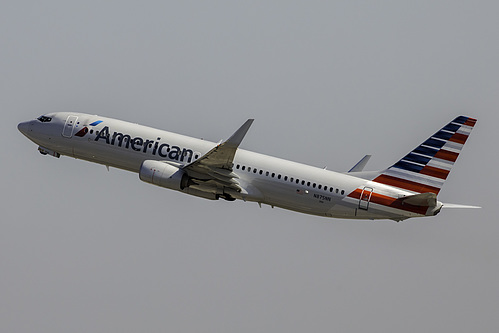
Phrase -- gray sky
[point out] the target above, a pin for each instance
(86, 250)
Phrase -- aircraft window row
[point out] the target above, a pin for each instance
(44, 119)
(291, 179)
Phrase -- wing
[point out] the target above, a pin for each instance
(212, 172)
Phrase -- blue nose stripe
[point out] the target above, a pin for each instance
(96, 123)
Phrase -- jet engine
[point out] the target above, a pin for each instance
(169, 176)
(163, 174)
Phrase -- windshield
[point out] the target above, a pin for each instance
(44, 119)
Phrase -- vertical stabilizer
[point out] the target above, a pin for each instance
(426, 168)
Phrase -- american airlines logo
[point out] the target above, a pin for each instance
(81, 133)
(155, 147)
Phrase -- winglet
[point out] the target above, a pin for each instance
(237, 137)
(360, 164)
(222, 155)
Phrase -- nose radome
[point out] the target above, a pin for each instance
(23, 127)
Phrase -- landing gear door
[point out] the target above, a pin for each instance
(69, 126)
(365, 198)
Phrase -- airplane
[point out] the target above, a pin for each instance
(205, 169)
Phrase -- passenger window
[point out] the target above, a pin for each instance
(267, 173)
(237, 166)
(261, 171)
(273, 174)
(342, 192)
(249, 169)
(243, 168)
(319, 187)
(278, 176)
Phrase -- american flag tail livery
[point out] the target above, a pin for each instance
(425, 169)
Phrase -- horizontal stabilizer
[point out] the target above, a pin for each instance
(360, 165)
(424, 199)
(448, 205)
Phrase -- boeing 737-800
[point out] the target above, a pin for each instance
(408, 188)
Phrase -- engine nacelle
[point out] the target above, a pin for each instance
(169, 176)
(163, 174)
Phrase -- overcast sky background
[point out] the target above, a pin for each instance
(86, 250)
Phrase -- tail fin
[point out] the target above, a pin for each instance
(425, 168)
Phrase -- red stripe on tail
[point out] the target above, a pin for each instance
(447, 155)
(470, 122)
(390, 202)
(459, 138)
(435, 172)
(406, 184)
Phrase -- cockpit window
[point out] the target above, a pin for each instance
(44, 119)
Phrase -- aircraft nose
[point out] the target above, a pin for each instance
(23, 127)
